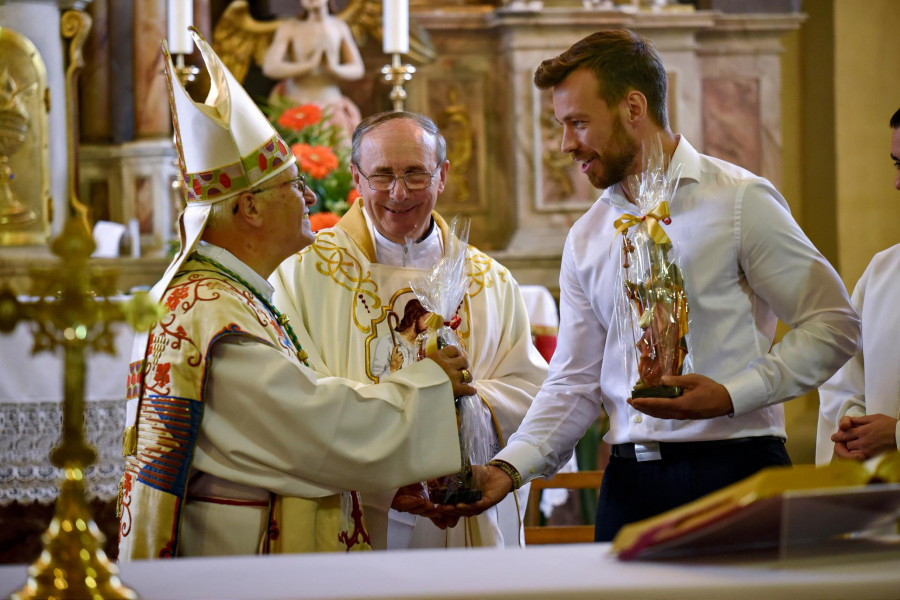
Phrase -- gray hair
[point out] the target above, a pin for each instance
(424, 123)
(222, 212)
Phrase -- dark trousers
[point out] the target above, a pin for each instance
(632, 490)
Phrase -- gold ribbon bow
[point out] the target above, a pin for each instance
(660, 213)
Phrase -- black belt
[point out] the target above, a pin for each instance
(672, 450)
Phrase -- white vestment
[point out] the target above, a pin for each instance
(869, 383)
(354, 309)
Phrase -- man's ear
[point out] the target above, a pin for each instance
(248, 209)
(442, 175)
(634, 107)
(354, 173)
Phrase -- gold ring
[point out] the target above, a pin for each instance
(466, 376)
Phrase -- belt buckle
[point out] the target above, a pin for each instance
(647, 452)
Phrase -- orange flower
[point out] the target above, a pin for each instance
(316, 161)
(352, 195)
(322, 220)
(298, 117)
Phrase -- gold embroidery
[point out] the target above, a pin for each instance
(347, 272)
(129, 441)
(479, 271)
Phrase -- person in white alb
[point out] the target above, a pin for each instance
(859, 415)
(233, 445)
(745, 262)
(351, 291)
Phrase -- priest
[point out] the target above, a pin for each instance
(233, 445)
(351, 290)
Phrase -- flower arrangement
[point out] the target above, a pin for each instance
(323, 154)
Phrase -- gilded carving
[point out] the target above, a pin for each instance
(457, 130)
(24, 149)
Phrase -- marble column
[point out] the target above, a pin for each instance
(151, 101)
(94, 93)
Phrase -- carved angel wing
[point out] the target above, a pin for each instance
(364, 19)
(238, 38)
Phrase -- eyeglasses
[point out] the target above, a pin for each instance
(298, 183)
(385, 182)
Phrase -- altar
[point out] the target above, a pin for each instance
(558, 572)
(31, 392)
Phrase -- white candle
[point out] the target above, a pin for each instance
(395, 20)
(181, 16)
(134, 231)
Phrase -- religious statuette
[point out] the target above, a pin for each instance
(651, 303)
(441, 292)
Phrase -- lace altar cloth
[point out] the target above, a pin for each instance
(30, 431)
(31, 392)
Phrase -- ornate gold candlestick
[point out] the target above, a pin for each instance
(72, 311)
(397, 74)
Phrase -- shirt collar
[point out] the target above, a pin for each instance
(424, 254)
(230, 261)
(684, 154)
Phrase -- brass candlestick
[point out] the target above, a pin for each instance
(397, 74)
(186, 73)
(73, 311)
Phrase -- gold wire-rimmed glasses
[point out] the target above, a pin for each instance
(414, 180)
(298, 183)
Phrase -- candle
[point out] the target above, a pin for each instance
(395, 20)
(181, 16)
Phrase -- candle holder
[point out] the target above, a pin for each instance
(397, 74)
(186, 73)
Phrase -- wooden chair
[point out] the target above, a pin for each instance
(559, 534)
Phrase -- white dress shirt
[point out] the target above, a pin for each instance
(746, 263)
(870, 381)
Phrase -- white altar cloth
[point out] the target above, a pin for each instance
(544, 572)
(31, 392)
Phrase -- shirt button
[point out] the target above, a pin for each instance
(638, 419)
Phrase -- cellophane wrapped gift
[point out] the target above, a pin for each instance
(651, 303)
(441, 292)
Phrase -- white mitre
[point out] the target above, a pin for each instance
(225, 146)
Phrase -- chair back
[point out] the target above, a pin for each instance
(559, 534)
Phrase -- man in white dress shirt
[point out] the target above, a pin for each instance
(746, 263)
(860, 405)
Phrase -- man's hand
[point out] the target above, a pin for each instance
(494, 485)
(455, 365)
(702, 398)
(863, 437)
(415, 500)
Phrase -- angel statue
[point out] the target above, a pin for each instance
(309, 55)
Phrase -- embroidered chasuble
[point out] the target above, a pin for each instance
(282, 442)
(363, 319)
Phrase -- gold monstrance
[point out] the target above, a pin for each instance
(71, 309)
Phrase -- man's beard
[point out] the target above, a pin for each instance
(618, 158)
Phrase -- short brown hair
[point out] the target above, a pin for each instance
(621, 60)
